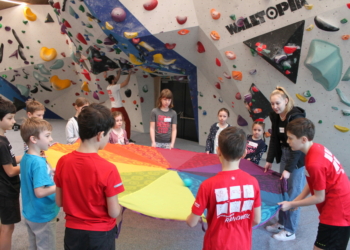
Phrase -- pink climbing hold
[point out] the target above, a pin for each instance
(217, 85)
(150, 5)
(218, 63)
(118, 15)
(238, 96)
(200, 47)
(135, 40)
(181, 20)
(86, 74)
(227, 76)
(81, 38)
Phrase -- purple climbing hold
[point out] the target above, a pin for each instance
(248, 98)
(47, 101)
(108, 41)
(9, 41)
(26, 62)
(280, 58)
(118, 15)
(15, 53)
(311, 100)
(95, 95)
(240, 22)
(241, 121)
(7, 28)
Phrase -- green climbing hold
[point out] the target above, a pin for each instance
(27, 47)
(137, 105)
(0, 25)
(31, 56)
(140, 123)
(344, 20)
(89, 26)
(10, 68)
(233, 17)
(253, 100)
(23, 31)
(199, 107)
(253, 51)
(117, 51)
(234, 66)
(80, 48)
(56, 11)
(320, 121)
(307, 93)
(286, 65)
(145, 88)
(25, 22)
(4, 76)
(266, 51)
(81, 8)
(335, 108)
(69, 34)
(200, 94)
(31, 62)
(205, 133)
(25, 77)
(99, 41)
(36, 67)
(39, 41)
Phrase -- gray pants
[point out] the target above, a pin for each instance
(42, 236)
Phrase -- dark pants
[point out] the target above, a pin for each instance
(76, 239)
(126, 120)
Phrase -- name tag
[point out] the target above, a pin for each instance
(167, 119)
(281, 129)
(252, 144)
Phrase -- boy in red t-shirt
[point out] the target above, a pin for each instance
(328, 184)
(232, 198)
(88, 185)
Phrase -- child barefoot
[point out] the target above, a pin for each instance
(215, 129)
(256, 145)
(118, 134)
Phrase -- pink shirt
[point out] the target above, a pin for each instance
(121, 138)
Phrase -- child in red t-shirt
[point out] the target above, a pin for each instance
(328, 184)
(232, 198)
(88, 185)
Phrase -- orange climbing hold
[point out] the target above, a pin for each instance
(183, 32)
(215, 14)
(59, 84)
(237, 75)
(214, 35)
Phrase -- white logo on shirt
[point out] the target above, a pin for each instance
(336, 164)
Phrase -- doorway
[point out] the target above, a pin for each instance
(186, 124)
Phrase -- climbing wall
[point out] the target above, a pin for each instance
(233, 54)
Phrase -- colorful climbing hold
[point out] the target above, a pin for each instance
(81, 8)
(204, 112)
(324, 25)
(81, 38)
(215, 14)
(86, 74)
(311, 100)
(181, 20)
(200, 47)
(346, 76)
(307, 93)
(118, 14)
(214, 35)
(109, 26)
(308, 6)
(345, 37)
(238, 96)
(170, 45)
(217, 85)
(252, 72)
(301, 98)
(59, 84)
(85, 87)
(233, 17)
(226, 75)
(230, 55)
(344, 20)
(237, 75)
(29, 14)
(150, 5)
(341, 128)
(183, 32)
(158, 58)
(241, 121)
(48, 54)
(310, 27)
(130, 35)
(320, 121)
(218, 63)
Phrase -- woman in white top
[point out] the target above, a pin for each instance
(114, 95)
(72, 129)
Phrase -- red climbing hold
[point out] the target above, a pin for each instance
(200, 47)
(218, 63)
(217, 85)
(255, 89)
(170, 45)
(86, 74)
(65, 23)
(81, 38)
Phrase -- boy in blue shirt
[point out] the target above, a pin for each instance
(9, 177)
(38, 187)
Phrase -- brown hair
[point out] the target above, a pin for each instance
(302, 127)
(32, 105)
(284, 94)
(166, 93)
(33, 127)
(117, 113)
(232, 143)
(225, 110)
(262, 125)
(81, 101)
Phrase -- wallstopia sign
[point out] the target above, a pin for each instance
(271, 13)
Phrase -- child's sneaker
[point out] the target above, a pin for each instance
(284, 236)
(274, 228)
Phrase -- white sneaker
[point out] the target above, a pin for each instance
(274, 228)
(284, 236)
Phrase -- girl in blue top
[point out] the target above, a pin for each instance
(256, 145)
(215, 129)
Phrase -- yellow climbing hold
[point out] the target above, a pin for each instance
(310, 27)
(85, 87)
(149, 70)
(108, 26)
(29, 14)
(308, 6)
(134, 60)
(48, 54)
(158, 58)
(341, 128)
(59, 84)
(130, 35)
(146, 46)
(301, 98)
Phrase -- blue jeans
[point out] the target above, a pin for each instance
(296, 183)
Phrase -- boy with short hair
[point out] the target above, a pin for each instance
(232, 198)
(88, 185)
(328, 184)
(34, 109)
(9, 177)
(38, 188)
